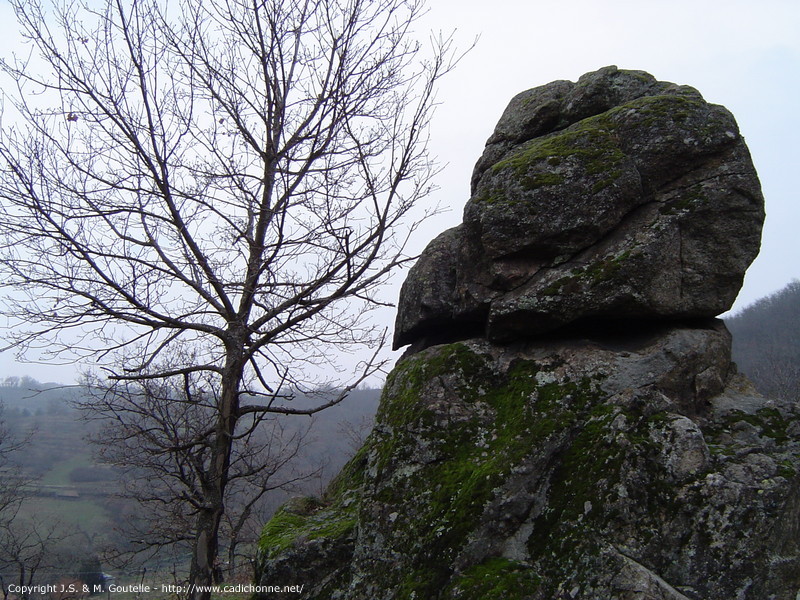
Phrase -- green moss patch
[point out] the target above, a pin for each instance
(594, 143)
(770, 422)
(287, 528)
(583, 498)
(505, 415)
(589, 276)
(689, 199)
(332, 517)
(591, 141)
(495, 579)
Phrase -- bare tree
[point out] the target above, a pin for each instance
(12, 492)
(28, 548)
(765, 342)
(213, 190)
(355, 432)
(159, 438)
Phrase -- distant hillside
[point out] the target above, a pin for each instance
(766, 342)
(27, 394)
(72, 487)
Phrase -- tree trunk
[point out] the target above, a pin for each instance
(204, 569)
(205, 553)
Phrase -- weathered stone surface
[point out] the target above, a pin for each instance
(539, 111)
(625, 464)
(311, 543)
(616, 196)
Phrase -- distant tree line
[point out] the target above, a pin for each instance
(24, 382)
(766, 342)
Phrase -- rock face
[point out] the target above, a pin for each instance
(614, 197)
(618, 458)
(605, 468)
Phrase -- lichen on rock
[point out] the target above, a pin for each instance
(568, 423)
(535, 469)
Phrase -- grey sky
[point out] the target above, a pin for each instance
(741, 54)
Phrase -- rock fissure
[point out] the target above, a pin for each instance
(681, 263)
(636, 578)
(567, 422)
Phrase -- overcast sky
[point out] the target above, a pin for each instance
(742, 54)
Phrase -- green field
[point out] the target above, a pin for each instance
(86, 515)
(56, 447)
(59, 474)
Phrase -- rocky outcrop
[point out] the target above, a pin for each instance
(605, 468)
(615, 197)
(620, 457)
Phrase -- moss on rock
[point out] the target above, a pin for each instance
(526, 475)
(590, 145)
(495, 418)
(332, 517)
(287, 528)
(495, 579)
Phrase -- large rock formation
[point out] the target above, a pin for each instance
(620, 457)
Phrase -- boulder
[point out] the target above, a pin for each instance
(615, 197)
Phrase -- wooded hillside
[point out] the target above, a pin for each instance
(766, 342)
